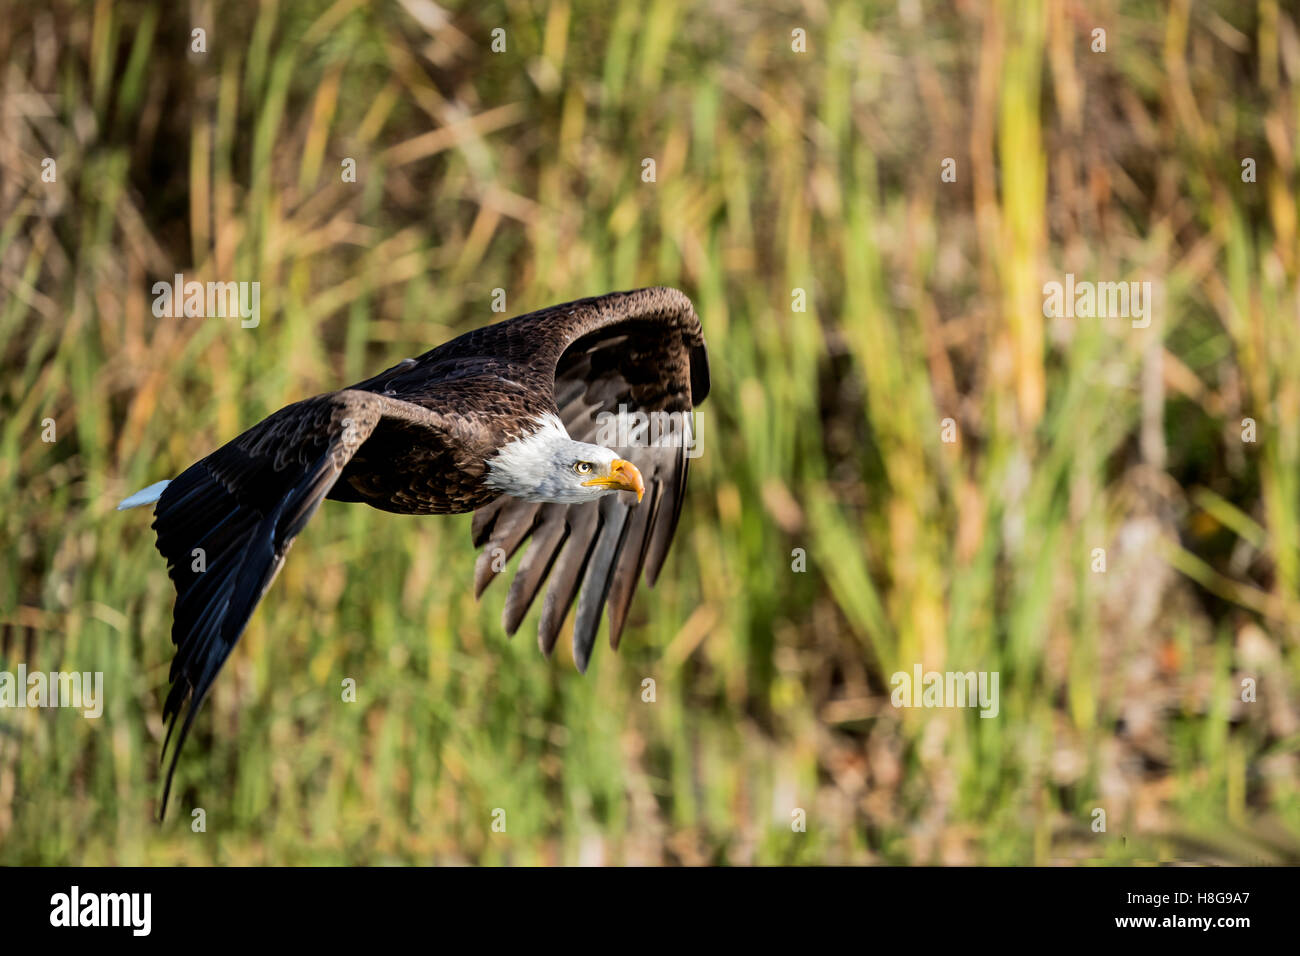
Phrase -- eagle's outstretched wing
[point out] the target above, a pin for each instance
(226, 523)
(634, 352)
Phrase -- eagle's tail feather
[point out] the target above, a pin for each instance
(145, 496)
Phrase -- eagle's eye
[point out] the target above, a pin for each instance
(582, 467)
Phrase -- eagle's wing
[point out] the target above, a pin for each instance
(642, 351)
(226, 523)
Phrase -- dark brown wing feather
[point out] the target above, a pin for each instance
(241, 507)
(643, 350)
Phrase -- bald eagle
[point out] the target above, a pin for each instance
(503, 421)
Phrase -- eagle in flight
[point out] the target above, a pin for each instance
(501, 421)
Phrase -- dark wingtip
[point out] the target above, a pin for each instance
(699, 374)
(584, 640)
(545, 638)
(176, 752)
(508, 624)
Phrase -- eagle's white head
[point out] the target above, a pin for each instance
(547, 465)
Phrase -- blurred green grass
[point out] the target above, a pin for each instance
(775, 171)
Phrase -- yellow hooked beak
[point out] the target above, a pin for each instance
(624, 476)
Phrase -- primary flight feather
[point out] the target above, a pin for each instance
(502, 421)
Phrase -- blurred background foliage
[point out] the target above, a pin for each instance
(775, 171)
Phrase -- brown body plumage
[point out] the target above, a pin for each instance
(416, 439)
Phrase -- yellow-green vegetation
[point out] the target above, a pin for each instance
(775, 171)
